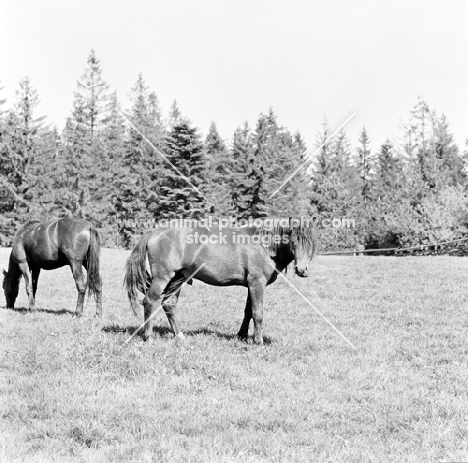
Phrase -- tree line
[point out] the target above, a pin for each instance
(118, 168)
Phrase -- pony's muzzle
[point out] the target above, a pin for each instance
(303, 273)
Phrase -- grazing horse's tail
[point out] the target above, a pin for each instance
(136, 275)
(94, 277)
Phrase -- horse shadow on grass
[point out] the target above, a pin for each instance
(133, 330)
(166, 332)
(25, 310)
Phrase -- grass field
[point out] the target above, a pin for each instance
(70, 392)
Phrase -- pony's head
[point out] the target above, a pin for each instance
(293, 241)
(10, 288)
(303, 246)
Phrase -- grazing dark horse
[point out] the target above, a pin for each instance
(249, 256)
(50, 245)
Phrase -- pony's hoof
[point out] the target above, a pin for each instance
(179, 338)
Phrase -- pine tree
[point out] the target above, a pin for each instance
(75, 158)
(344, 176)
(299, 196)
(241, 153)
(335, 190)
(91, 98)
(142, 168)
(20, 150)
(286, 178)
(322, 190)
(12, 176)
(262, 164)
(421, 158)
(184, 150)
(341, 158)
(82, 156)
(450, 164)
(113, 133)
(218, 173)
(325, 155)
(365, 163)
(175, 116)
(46, 170)
(390, 173)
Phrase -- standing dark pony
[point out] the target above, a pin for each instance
(249, 256)
(51, 245)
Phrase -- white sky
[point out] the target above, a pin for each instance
(230, 60)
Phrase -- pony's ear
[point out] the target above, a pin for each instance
(272, 253)
(4, 272)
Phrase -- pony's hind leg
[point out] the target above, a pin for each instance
(98, 298)
(170, 298)
(97, 292)
(80, 281)
(150, 303)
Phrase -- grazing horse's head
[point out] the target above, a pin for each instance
(304, 248)
(297, 242)
(10, 288)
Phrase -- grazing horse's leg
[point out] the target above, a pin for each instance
(99, 303)
(243, 333)
(97, 296)
(28, 282)
(169, 303)
(77, 270)
(150, 303)
(256, 290)
(35, 278)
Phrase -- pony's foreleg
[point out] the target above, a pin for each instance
(80, 281)
(28, 283)
(243, 333)
(256, 290)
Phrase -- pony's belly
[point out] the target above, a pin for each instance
(219, 281)
(47, 265)
(222, 276)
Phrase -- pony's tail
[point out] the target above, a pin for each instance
(137, 277)
(94, 283)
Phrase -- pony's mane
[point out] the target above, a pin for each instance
(30, 222)
(276, 234)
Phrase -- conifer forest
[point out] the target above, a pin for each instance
(115, 166)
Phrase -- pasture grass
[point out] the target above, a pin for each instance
(72, 392)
